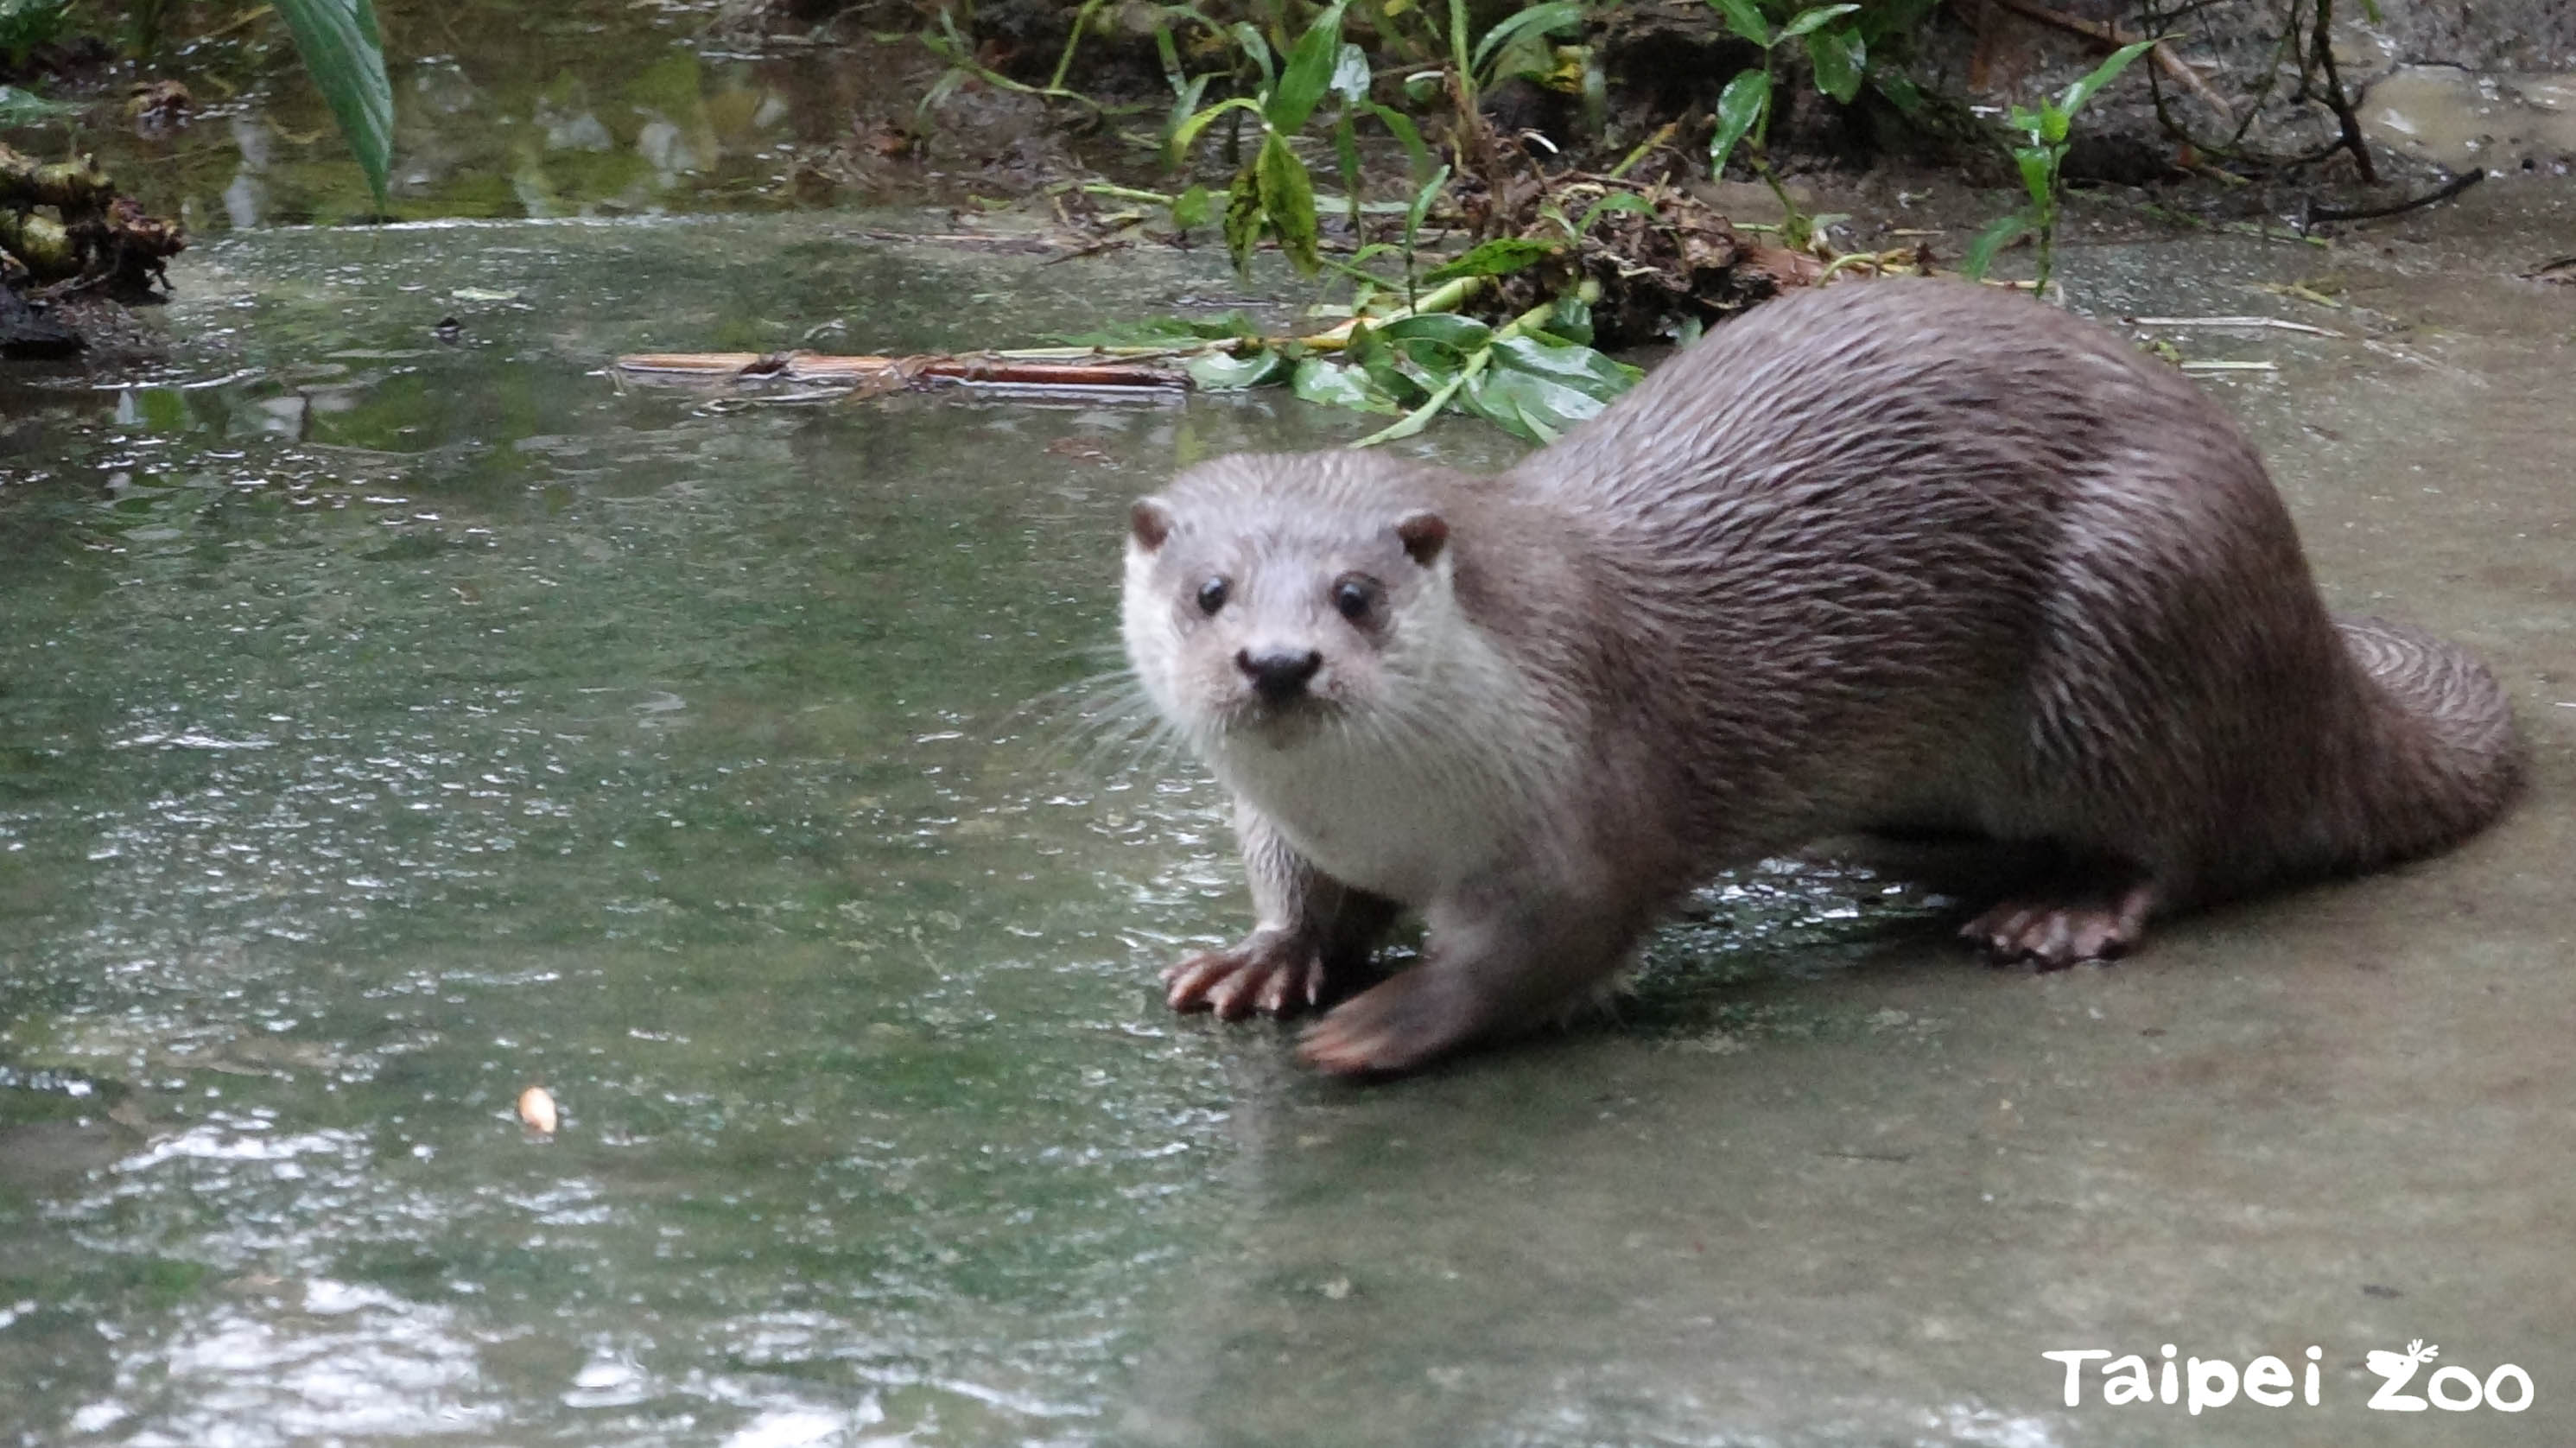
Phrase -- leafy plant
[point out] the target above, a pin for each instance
(1844, 43)
(1273, 194)
(1533, 376)
(344, 53)
(27, 24)
(946, 41)
(1516, 46)
(2042, 157)
(1744, 107)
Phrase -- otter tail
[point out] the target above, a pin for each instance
(2444, 758)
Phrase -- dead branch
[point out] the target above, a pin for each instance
(2112, 37)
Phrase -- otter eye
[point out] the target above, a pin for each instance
(1212, 595)
(1355, 598)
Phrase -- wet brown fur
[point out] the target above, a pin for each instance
(1903, 556)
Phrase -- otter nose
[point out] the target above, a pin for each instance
(1279, 675)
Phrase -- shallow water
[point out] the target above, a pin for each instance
(389, 723)
(569, 108)
(2509, 122)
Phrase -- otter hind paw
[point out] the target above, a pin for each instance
(1392, 1027)
(2053, 934)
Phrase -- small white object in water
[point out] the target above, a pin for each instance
(537, 1109)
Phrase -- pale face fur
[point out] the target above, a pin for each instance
(1393, 768)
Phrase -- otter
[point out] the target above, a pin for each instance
(1899, 557)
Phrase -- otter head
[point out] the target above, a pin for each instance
(1267, 596)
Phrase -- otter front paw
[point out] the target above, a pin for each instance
(1268, 971)
(2054, 934)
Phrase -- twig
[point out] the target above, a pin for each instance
(2113, 37)
(1644, 147)
(973, 239)
(2275, 322)
(2321, 44)
(1088, 368)
(1034, 367)
(2314, 213)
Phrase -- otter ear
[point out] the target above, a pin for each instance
(1423, 534)
(1149, 522)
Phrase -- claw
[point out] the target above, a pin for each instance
(2055, 934)
(1391, 1027)
(1264, 975)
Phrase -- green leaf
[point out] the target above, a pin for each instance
(1745, 19)
(1516, 402)
(1336, 385)
(1536, 20)
(345, 55)
(27, 24)
(1363, 347)
(940, 89)
(1226, 372)
(1421, 206)
(1288, 199)
(1738, 107)
(1247, 37)
(1538, 389)
(1351, 75)
(1412, 422)
(1445, 329)
(2038, 171)
(1308, 73)
(2053, 123)
(1189, 130)
(2103, 74)
(1981, 252)
(1569, 365)
(1392, 372)
(1839, 56)
(1570, 320)
(1243, 218)
(1434, 347)
(1528, 57)
(1402, 127)
(1807, 20)
(1192, 209)
(1900, 91)
(1615, 201)
(1185, 103)
(1499, 257)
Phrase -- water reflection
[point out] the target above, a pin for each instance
(578, 109)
